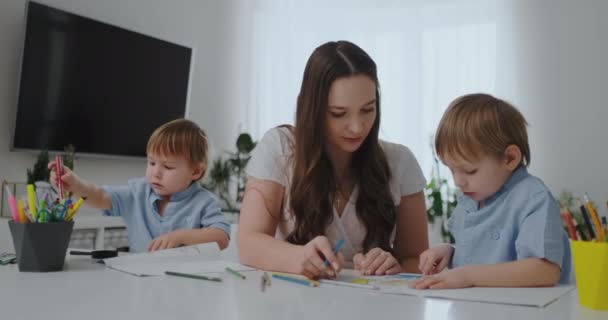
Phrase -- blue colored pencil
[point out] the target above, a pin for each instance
(337, 248)
(304, 282)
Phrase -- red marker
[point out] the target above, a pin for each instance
(58, 169)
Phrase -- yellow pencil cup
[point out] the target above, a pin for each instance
(591, 270)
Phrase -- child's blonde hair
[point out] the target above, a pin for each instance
(182, 138)
(480, 124)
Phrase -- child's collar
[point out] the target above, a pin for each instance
(519, 174)
(178, 195)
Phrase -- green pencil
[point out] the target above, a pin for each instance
(236, 273)
(192, 276)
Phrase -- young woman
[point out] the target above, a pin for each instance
(329, 178)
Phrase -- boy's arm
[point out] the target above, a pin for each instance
(530, 272)
(96, 197)
(186, 237)
(195, 236)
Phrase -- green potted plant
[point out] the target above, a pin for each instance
(40, 171)
(441, 200)
(225, 172)
(218, 181)
(239, 160)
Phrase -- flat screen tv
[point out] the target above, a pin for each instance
(101, 88)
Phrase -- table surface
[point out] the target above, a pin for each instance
(87, 290)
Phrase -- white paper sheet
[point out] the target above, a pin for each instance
(398, 284)
(202, 258)
(536, 297)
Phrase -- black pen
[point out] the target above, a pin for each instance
(192, 276)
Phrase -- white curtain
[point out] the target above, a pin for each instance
(427, 52)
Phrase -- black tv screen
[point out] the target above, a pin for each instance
(101, 88)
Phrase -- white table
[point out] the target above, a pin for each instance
(87, 290)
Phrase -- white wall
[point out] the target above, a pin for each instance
(555, 58)
(551, 60)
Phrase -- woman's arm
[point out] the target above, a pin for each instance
(260, 213)
(411, 238)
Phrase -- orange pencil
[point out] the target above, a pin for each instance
(568, 224)
(599, 231)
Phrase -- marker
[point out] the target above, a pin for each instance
(59, 172)
(31, 199)
(236, 273)
(12, 203)
(22, 216)
(337, 247)
(42, 212)
(63, 212)
(72, 212)
(192, 276)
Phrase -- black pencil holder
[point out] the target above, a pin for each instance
(41, 247)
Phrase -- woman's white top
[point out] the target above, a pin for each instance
(272, 160)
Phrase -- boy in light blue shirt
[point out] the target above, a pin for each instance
(167, 208)
(507, 225)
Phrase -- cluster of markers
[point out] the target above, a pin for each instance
(32, 209)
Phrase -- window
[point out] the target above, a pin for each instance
(427, 52)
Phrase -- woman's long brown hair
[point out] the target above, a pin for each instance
(313, 186)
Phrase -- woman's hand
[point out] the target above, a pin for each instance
(376, 262)
(435, 259)
(312, 256)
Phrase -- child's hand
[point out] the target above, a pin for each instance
(376, 262)
(449, 279)
(435, 259)
(165, 241)
(71, 182)
(312, 256)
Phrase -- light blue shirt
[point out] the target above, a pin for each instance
(521, 220)
(192, 208)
